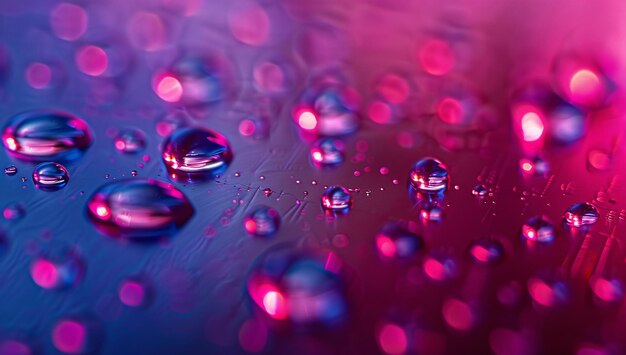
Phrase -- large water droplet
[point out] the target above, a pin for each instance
(428, 175)
(263, 221)
(300, 287)
(139, 209)
(328, 109)
(538, 229)
(396, 240)
(336, 200)
(46, 135)
(130, 141)
(327, 152)
(50, 176)
(581, 214)
(196, 154)
(57, 269)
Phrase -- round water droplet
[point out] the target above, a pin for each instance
(77, 335)
(135, 292)
(440, 267)
(336, 200)
(196, 154)
(538, 229)
(50, 176)
(130, 141)
(139, 209)
(327, 152)
(607, 290)
(479, 190)
(396, 240)
(487, 251)
(10, 170)
(46, 135)
(262, 222)
(58, 269)
(300, 287)
(581, 214)
(428, 175)
(328, 109)
(13, 211)
(548, 292)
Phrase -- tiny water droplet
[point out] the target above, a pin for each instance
(337, 200)
(479, 190)
(130, 141)
(237, 174)
(139, 209)
(196, 154)
(46, 135)
(133, 172)
(581, 214)
(263, 221)
(538, 229)
(10, 170)
(50, 176)
(428, 175)
(267, 192)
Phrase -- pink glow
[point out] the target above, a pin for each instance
(532, 126)
(541, 292)
(436, 57)
(169, 89)
(269, 77)
(450, 110)
(68, 21)
(386, 246)
(434, 269)
(147, 31)
(394, 88)
(392, 339)
(307, 120)
(379, 112)
(586, 87)
(38, 75)
(92, 60)
(458, 314)
(250, 24)
(274, 303)
(480, 253)
(247, 127)
(132, 293)
(253, 336)
(11, 143)
(69, 336)
(45, 274)
(527, 166)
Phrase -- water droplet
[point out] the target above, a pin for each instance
(600, 160)
(135, 291)
(396, 240)
(172, 121)
(263, 221)
(46, 135)
(77, 335)
(50, 176)
(581, 214)
(428, 175)
(487, 251)
(336, 200)
(328, 109)
(130, 141)
(58, 269)
(139, 209)
(13, 211)
(548, 292)
(327, 152)
(440, 267)
(538, 229)
(133, 172)
(267, 192)
(237, 174)
(534, 166)
(196, 154)
(301, 287)
(607, 289)
(10, 170)
(479, 190)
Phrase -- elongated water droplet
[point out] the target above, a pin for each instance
(139, 209)
(196, 154)
(538, 229)
(50, 176)
(45, 136)
(263, 221)
(337, 200)
(301, 287)
(10, 170)
(581, 214)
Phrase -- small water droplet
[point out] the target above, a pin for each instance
(396, 240)
(327, 152)
(135, 291)
(263, 221)
(130, 141)
(77, 335)
(58, 269)
(548, 292)
(237, 174)
(479, 190)
(10, 170)
(538, 229)
(581, 214)
(486, 251)
(337, 200)
(134, 173)
(13, 211)
(196, 154)
(139, 209)
(428, 175)
(50, 176)
(46, 135)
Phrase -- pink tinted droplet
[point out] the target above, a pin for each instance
(68, 21)
(168, 88)
(393, 88)
(92, 60)
(380, 112)
(436, 57)
(132, 293)
(269, 77)
(45, 274)
(458, 314)
(38, 75)
(249, 24)
(69, 336)
(392, 339)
